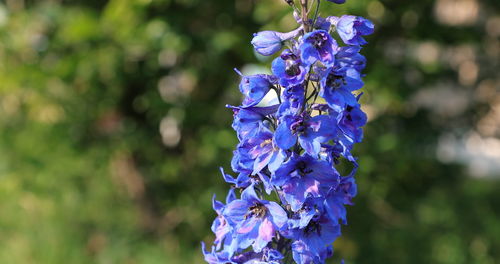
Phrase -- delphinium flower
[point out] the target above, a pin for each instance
(287, 202)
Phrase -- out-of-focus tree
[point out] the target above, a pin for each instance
(113, 125)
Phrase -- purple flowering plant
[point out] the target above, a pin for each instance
(291, 147)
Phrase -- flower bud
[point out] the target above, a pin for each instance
(267, 42)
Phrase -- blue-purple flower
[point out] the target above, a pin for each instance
(247, 120)
(292, 102)
(220, 227)
(214, 256)
(312, 244)
(350, 123)
(302, 177)
(255, 220)
(318, 46)
(311, 210)
(309, 131)
(352, 28)
(255, 87)
(338, 197)
(292, 145)
(337, 86)
(243, 179)
(349, 57)
(265, 152)
(267, 256)
(289, 69)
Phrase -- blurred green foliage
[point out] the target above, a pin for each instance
(113, 125)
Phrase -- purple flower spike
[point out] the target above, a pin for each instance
(292, 145)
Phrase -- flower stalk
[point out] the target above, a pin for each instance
(290, 146)
(304, 13)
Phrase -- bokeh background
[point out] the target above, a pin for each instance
(113, 127)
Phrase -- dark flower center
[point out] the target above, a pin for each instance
(292, 68)
(348, 116)
(312, 227)
(255, 177)
(335, 81)
(298, 127)
(258, 210)
(302, 168)
(318, 41)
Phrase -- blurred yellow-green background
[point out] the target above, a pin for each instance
(113, 126)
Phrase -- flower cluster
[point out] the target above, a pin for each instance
(292, 144)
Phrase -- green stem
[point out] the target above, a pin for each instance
(316, 13)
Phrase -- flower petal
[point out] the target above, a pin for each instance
(247, 225)
(249, 194)
(235, 211)
(284, 137)
(278, 214)
(266, 233)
